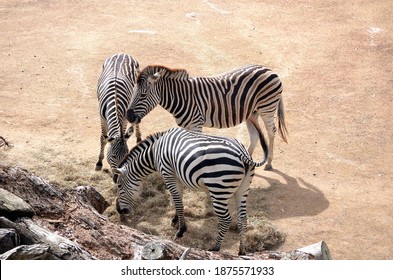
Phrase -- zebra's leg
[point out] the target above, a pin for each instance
(102, 146)
(175, 220)
(130, 131)
(254, 137)
(224, 220)
(271, 132)
(241, 195)
(138, 134)
(175, 189)
(180, 216)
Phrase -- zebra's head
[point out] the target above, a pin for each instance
(145, 95)
(138, 164)
(118, 148)
(127, 189)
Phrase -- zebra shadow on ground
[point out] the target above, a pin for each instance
(274, 195)
(281, 197)
(286, 197)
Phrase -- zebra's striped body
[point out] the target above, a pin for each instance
(225, 100)
(221, 166)
(114, 92)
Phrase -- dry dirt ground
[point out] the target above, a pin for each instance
(332, 182)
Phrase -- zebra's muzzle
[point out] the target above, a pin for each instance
(132, 118)
(121, 210)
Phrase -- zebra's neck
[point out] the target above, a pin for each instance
(141, 157)
(173, 91)
(178, 98)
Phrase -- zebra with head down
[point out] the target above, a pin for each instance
(219, 165)
(114, 91)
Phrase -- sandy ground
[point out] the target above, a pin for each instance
(332, 182)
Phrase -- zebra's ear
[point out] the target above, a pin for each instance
(155, 77)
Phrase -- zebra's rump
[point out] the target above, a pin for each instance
(230, 98)
(115, 86)
(202, 161)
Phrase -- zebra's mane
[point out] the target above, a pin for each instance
(179, 74)
(147, 142)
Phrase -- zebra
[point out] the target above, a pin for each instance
(114, 90)
(218, 165)
(222, 101)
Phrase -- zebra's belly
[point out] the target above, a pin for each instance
(224, 121)
(215, 182)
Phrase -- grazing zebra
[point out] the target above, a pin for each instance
(225, 100)
(221, 166)
(114, 92)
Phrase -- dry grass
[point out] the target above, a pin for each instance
(262, 235)
(148, 228)
(69, 171)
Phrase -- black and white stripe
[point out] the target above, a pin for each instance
(184, 158)
(225, 100)
(114, 92)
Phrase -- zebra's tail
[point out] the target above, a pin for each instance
(265, 148)
(282, 128)
(117, 103)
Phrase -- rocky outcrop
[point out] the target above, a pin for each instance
(42, 221)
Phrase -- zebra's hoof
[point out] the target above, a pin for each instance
(174, 221)
(179, 234)
(214, 249)
(181, 231)
(98, 167)
(268, 167)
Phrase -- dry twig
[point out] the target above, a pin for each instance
(4, 143)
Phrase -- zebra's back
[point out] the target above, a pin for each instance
(232, 97)
(119, 70)
(115, 87)
(201, 161)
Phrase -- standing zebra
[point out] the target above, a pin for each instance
(225, 100)
(114, 92)
(222, 166)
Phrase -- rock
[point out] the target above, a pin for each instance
(60, 247)
(13, 206)
(29, 252)
(68, 225)
(92, 197)
(43, 197)
(9, 239)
